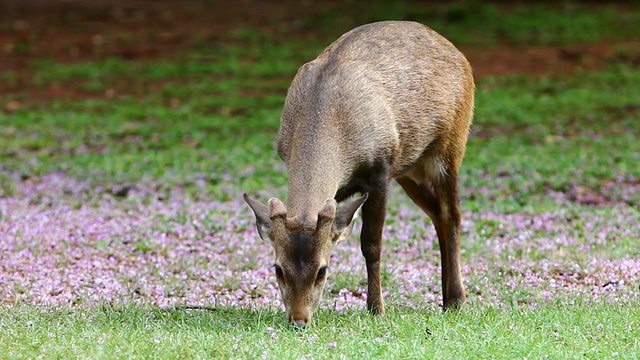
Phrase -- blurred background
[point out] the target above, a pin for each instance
(498, 37)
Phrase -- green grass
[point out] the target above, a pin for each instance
(486, 24)
(538, 133)
(551, 132)
(589, 331)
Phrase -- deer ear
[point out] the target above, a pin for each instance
(263, 220)
(327, 214)
(276, 208)
(343, 223)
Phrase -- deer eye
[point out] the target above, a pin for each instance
(321, 273)
(279, 273)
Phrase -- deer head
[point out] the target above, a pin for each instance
(303, 252)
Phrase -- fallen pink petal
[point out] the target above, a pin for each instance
(182, 251)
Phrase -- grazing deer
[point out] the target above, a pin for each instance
(387, 100)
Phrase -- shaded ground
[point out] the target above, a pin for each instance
(75, 31)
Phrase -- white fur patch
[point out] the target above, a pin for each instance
(434, 168)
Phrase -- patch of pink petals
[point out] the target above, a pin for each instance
(63, 243)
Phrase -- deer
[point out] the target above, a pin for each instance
(390, 100)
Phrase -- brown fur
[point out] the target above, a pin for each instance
(387, 100)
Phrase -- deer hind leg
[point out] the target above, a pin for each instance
(436, 194)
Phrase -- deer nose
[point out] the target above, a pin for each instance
(299, 320)
(300, 323)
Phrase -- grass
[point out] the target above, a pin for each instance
(203, 126)
(486, 24)
(577, 331)
(538, 133)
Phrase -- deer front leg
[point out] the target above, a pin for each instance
(373, 214)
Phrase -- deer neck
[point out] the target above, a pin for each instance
(315, 173)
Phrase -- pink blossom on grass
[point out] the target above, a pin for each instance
(62, 242)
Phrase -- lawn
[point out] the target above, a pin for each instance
(121, 208)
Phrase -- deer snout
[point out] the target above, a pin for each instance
(300, 318)
(300, 323)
